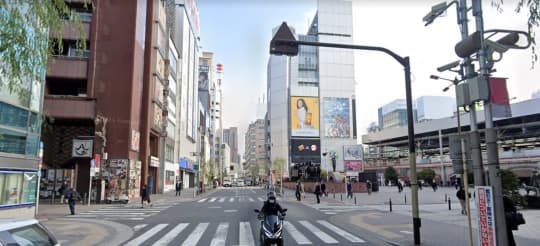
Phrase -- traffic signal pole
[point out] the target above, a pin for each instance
(491, 136)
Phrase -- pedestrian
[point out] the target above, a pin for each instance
(63, 191)
(145, 196)
(460, 194)
(299, 190)
(434, 186)
(513, 219)
(368, 186)
(399, 186)
(72, 196)
(178, 188)
(318, 191)
(349, 190)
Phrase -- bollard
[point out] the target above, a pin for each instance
(334, 195)
(390, 202)
(449, 204)
(354, 200)
(405, 198)
(445, 197)
(341, 196)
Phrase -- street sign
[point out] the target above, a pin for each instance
(486, 216)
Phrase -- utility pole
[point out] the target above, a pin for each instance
(491, 135)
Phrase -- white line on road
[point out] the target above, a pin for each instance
(330, 213)
(138, 227)
(202, 200)
(171, 234)
(260, 199)
(146, 235)
(320, 234)
(245, 235)
(221, 235)
(213, 199)
(251, 199)
(406, 232)
(296, 235)
(232, 199)
(122, 218)
(352, 238)
(196, 235)
(222, 199)
(230, 211)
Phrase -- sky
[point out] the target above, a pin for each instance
(239, 33)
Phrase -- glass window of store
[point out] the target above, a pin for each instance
(17, 187)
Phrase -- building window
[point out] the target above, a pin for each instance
(169, 178)
(17, 187)
(169, 153)
(12, 142)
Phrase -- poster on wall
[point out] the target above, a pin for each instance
(354, 166)
(486, 216)
(352, 153)
(204, 79)
(336, 117)
(303, 150)
(304, 116)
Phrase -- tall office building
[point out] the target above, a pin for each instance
(230, 137)
(255, 150)
(314, 112)
(393, 114)
(434, 107)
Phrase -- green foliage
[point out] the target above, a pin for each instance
(28, 28)
(210, 170)
(390, 174)
(426, 174)
(510, 185)
(324, 174)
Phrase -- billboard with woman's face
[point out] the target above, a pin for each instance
(304, 116)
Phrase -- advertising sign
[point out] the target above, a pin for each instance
(82, 148)
(304, 116)
(353, 153)
(303, 150)
(204, 79)
(336, 117)
(486, 216)
(354, 166)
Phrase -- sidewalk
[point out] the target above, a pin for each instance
(78, 231)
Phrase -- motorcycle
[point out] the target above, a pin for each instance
(271, 229)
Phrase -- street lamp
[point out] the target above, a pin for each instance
(285, 43)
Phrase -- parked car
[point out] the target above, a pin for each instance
(227, 183)
(25, 232)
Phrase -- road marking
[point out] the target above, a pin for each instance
(213, 199)
(171, 234)
(232, 199)
(221, 235)
(406, 232)
(245, 234)
(320, 234)
(222, 199)
(296, 235)
(260, 199)
(202, 200)
(251, 199)
(105, 215)
(138, 227)
(108, 213)
(146, 235)
(330, 213)
(196, 235)
(123, 218)
(230, 211)
(341, 232)
(214, 207)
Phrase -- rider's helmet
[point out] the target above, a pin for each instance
(271, 197)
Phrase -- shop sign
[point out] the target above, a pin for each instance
(122, 163)
(154, 161)
(82, 148)
(486, 216)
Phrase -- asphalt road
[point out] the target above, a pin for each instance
(227, 218)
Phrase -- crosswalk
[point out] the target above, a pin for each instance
(128, 212)
(335, 209)
(302, 232)
(229, 199)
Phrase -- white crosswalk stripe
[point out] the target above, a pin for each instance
(246, 236)
(196, 235)
(171, 234)
(341, 232)
(231, 199)
(202, 200)
(213, 199)
(221, 235)
(146, 235)
(186, 235)
(260, 199)
(222, 199)
(251, 199)
(317, 232)
(121, 213)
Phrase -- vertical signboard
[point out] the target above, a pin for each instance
(336, 117)
(353, 159)
(486, 216)
(304, 116)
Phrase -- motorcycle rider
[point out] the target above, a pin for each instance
(271, 206)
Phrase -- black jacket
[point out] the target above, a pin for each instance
(271, 209)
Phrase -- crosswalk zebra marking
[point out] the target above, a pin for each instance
(221, 235)
(231, 199)
(260, 199)
(213, 199)
(171, 234)
(317, 232)
(296, 235)
(146, 235)
(202, 200)
(222, 199)
(246, 237)
(352, 238)
(251, 199)
(139, 227)
(196, 235)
